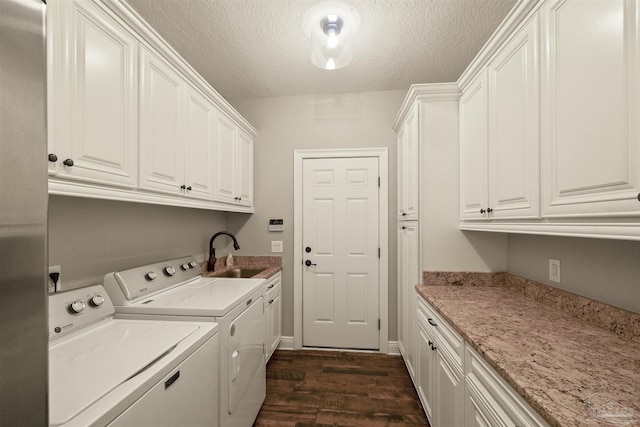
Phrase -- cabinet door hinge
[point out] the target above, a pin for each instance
(378, 182)
(378, 252)
(378, 324)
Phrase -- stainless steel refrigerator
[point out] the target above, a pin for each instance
(23, 215)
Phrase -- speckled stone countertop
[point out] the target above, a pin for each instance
(272, 265)
(564, 366)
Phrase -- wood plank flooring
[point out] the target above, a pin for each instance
(332, 388)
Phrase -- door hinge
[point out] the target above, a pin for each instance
(378, 324)
(378, 182)
(378, 252)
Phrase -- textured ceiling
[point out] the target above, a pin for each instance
(257, 48)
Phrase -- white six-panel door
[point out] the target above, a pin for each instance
(340, 230)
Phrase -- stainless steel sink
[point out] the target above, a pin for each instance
(241, 273)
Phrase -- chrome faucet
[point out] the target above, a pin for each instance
(212, 251)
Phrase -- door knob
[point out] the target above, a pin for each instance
(308, 263)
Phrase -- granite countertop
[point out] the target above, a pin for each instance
(272, 265)
(564, 366)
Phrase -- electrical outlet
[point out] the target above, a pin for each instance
(276, 246)
(52, 286)
(554, 270)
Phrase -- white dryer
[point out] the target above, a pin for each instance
(127, 373)
(175, 289)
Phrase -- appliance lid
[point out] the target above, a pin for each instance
(87, 366)
(211, 297)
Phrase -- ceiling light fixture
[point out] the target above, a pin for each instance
(331, 26)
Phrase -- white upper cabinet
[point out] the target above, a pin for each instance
(199, 151)
(514, 144)
(499, 134)
(130, 120)
(233, 163)
(408, 163)
(162, 144)
(590, 108)
(474, 181)
(92, 90)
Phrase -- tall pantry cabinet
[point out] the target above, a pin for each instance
(427, 126)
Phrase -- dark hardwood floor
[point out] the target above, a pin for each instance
(331, 388)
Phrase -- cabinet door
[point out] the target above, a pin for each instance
(409, 277)
(425, 381)
(244, 174)
(410, 166)
(93, 95)
(275, 321)
(514, 147)
(199, 138)
(225, 159)
(590, 90)
(161, 110)
(401, 147)
(449, 394)
(474, 150)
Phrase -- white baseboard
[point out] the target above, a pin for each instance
(286, 343)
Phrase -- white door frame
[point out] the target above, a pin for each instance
(382, 154)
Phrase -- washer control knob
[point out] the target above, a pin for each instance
(76, 307)
(96, 300)
(185, 266)
(150, 275)
(193, 264)
(169, 271)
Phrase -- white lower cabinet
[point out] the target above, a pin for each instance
(273, 309)
(489, 400)
(456, 386)
(440, 372)
(408, 278)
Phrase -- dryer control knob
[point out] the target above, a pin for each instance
(76, 307)
(96, 300)
(193, 264)
(185, 266)
(169, 271)
(150, 275)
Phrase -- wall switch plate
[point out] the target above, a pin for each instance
(51, 286)
(554, 270)
(276, 246)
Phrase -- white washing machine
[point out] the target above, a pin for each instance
(128, 373)
(175, 289)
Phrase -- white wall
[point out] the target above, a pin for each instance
(605, 270)
(284, 124)
(89, 238)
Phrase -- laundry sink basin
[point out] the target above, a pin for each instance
(240, 273)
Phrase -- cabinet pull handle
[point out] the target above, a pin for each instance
(404, 213)
(271, 286)
(433, 348)
(430, 343)
(404, 227)
(482, 211)
(68, 162)
(431, 322)
(270, 301)
(53, 158)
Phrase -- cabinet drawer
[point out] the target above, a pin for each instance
(494, 398)
(273, 286)
(448, 340)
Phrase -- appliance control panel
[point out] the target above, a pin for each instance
(76, 309)
(127, 286)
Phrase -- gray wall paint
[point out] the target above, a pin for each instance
(285, 124)
(89, 238)
(605, 270)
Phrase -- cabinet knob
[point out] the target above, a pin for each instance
(404, 227)
(639, 197)
(53, 158)
(189, 188)
(183, 186)
(239, 198)
(489, 210)
(68, 162)
(482, 211)
(404, 213)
